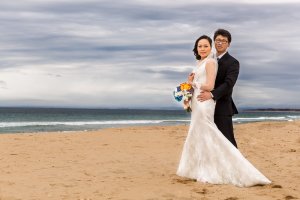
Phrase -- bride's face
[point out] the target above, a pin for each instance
(203, 48)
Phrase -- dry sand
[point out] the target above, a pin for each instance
(140, 163)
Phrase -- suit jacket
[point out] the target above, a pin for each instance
(227, 75)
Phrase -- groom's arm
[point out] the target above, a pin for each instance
(230, 80)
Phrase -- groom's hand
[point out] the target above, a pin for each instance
(204, 95)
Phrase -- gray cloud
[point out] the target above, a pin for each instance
(142, 48)
(3, 85)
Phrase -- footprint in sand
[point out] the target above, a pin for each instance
(203, 191)
(290, 197)
(232, 198)
(185, 181)
(168, 196)
(276, 186)
(7, 183)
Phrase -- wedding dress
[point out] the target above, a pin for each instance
(208, 156)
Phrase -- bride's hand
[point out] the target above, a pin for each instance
(186, 104)
(191, 78)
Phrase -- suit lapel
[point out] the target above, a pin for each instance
(222, 67)
(224, 57)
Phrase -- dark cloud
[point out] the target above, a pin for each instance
(124, 42)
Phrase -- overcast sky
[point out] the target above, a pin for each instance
(131, 54)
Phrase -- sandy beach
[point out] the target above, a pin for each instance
(140, 163)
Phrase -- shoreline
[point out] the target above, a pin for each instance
(142, 126)
(140, 163)
(51, 120)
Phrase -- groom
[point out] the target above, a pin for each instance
(227, 75)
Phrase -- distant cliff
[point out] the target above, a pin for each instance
(273, 110)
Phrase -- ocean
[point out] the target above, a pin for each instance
(19, 120)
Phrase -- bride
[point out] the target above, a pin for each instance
(208, 156)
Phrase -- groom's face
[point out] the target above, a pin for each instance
(221, 44)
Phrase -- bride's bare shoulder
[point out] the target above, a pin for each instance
(211, 61)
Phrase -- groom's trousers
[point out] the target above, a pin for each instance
(224, 124)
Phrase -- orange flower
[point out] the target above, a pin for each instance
(185, 86)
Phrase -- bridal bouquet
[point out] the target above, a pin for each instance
(184, 92)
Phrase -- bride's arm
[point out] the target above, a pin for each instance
(210, 76)
(210, 69)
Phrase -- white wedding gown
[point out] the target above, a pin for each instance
(207, 155)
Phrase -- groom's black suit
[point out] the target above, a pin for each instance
(227, 75)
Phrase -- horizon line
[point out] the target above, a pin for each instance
(142, 108)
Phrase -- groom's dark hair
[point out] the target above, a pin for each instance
(224, 33)
(198, 57)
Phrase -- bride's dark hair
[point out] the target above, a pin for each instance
(198, 57)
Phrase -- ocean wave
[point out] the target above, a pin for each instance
(108, 123)
(83, 123)
(294, 116)
(253, 119)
